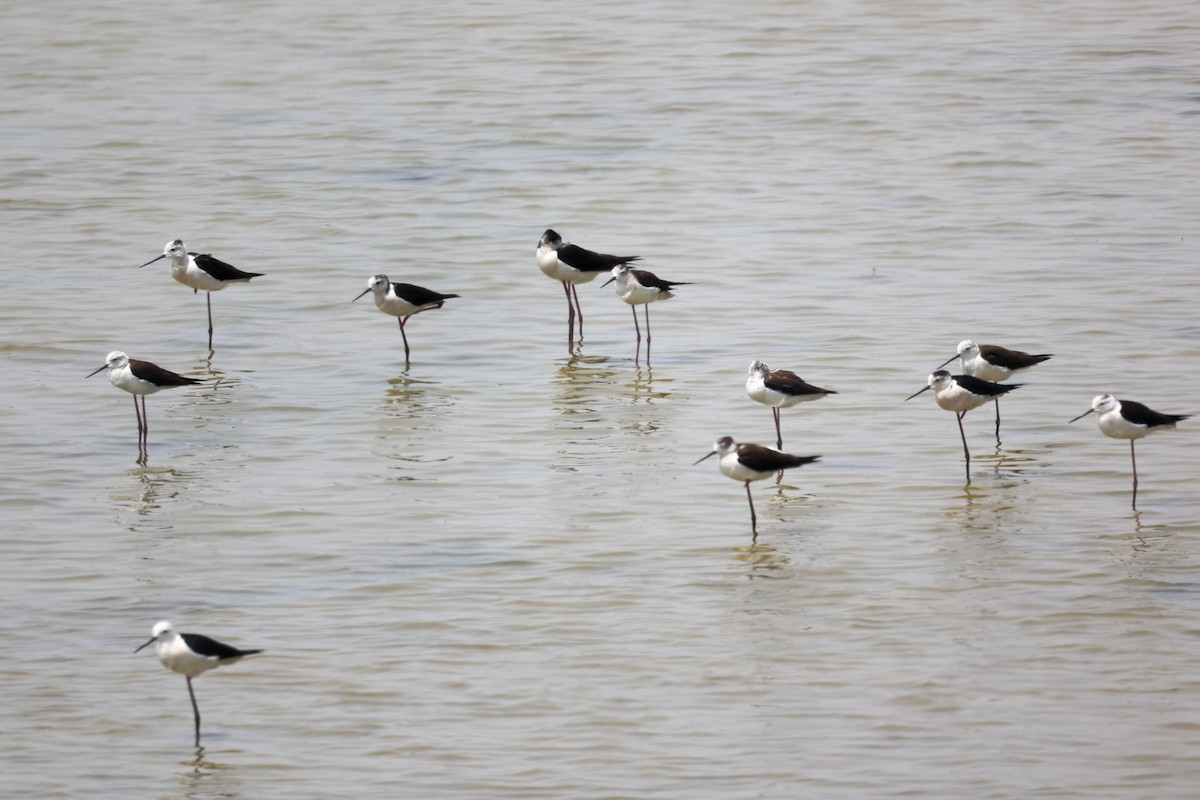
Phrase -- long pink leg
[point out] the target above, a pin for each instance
(578, 308)
(570, 315)
(778, 433)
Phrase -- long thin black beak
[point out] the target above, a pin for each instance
(151, 261)
(710, 453)
(914, 394)
(90, 374)
(947, 361)
(153, 639)
(364, 292)
(1084, 414)
(606, 283)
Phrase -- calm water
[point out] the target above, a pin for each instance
(496, 574)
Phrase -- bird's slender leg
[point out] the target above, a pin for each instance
(195, 708)
(209, 296)
(145, 422)
(753, 516)
(997, 401)
(570, 315)
(578, 308)
(404, 336)
(778, 433)
(646, 308)
(638, 354)
(138, 411)
(962, 433)
(1133, 459)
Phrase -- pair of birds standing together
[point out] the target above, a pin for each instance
(984, 367)
(987, 364)
(572, 265)
(748, 462)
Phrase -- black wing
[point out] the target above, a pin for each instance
(764, 459)
(220, 270)
(419, 295)
(652, 281)
(985, 388)
(155, 374)
(586, 260)
(1010, 359)
(788, 382)
(1139, 414)
(199, 643)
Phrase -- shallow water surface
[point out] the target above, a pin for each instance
(495, 572)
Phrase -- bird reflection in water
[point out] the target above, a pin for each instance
(1013, 462)
(648, 414)
(408, 398)
(151, 489)
(763, 562)
(582, 384)
(205, 778)
(412, 410)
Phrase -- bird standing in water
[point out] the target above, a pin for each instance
(572, 265)
(191, 654)
(752, 462)
(1126, 419)
(990, 362)
(202, 273)
(403, 300)
(637, 287)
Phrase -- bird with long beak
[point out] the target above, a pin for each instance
(1125, 419)
(201, 272)
(991, 362)
(960, 394)
(637, 287)
(752, 462)
(192, 654)
(140, 378)
(403, 300)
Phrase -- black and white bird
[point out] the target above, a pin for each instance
(202, 273)
(752, 462)
(1126, 419)
(778, 389)
(637, 287)
(403, 300)
(192, 654)
(960, 394)
(572, 265)
(140, 378)
(990, 362)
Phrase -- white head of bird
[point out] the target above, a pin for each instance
(620, 274)
(377, 284)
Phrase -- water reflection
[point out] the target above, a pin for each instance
(411, 410)
(410, 398)
(151, 489)
(205, 778)
(762, 561)
(217, 386)
(582, 383)
(1013, 462)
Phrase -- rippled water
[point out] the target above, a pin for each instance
(496, 573)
